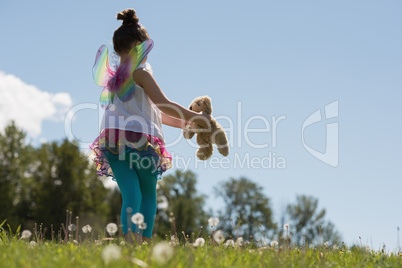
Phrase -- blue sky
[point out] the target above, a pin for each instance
(259, 59)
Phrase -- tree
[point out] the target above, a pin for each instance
(64, 179)
(246, 206)
(15, 159)
(38, 185)
(307, 221)
(179, 197)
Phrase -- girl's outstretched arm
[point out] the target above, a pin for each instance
(173, 121)
(170, 108)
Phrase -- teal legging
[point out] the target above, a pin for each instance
(138, 190)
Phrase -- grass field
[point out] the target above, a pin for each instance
(27, 250)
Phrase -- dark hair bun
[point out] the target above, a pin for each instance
(128, 16)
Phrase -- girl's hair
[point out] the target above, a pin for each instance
(129, 32)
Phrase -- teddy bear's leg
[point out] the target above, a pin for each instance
(205, 150)
(221, 142)
(205, 153)
(223, 149)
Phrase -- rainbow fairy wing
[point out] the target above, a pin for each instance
(102, 73)
(136, 56)
(101, 70)
(106, 98)
(138, 53)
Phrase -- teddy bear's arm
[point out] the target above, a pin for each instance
(187, 132)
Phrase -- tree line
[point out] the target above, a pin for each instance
(39, 184)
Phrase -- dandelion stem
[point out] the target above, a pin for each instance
(320, 235)
(69, 219)
(36, 233)
(199, 232)
(44, 232)
(65, 232)
(129, 210)
(51, 230)
(40, 231)
(60, 235)
(174, 226)
(397, 240)
(66, 225)
(76, 232)
(185, 238)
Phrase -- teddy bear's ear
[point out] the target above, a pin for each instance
(208, 104)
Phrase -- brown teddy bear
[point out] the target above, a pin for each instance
(207, 137)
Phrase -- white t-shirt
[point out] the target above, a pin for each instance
(139, 114)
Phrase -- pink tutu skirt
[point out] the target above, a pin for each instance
(119, 144)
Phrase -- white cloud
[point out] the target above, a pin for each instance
(28, 106)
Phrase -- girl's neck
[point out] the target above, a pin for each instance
(123, 57)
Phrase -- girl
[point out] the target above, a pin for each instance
(131, 146)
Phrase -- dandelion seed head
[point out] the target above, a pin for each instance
(72, 227)
(174, 241)
(142, 226)
(199, 242)
(213, 222)
(26, 234)
(326, 244)
(274, 244)
(219, 237)
(86, 229)
(286, 226)
(230, 243)
(137, 218)
(239, 241)
(162, 252)
(32, 243)
(111, 228)
(111, 253)
(335, 247)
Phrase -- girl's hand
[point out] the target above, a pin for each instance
(203, 119)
